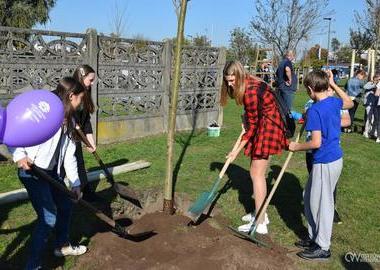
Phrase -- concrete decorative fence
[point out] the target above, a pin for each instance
(133, 87)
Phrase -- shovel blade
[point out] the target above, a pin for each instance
(204, 200)
(127, 194)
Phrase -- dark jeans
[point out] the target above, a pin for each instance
(376, 121)
(288, 97)
(53, 209)
(309, 166)
(352, 112)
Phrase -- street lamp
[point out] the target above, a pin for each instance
(328, 41)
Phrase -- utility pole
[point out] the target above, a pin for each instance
(328, 40)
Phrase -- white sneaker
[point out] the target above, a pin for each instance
(70, 251)
(251, 217)
(378, 140)
(261, 228)
(365, 134)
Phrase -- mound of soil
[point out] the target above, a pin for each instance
(176, 245)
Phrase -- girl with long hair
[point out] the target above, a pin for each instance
(86, 76)
(56, 157)
(264, 131)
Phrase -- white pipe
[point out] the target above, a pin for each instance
(21, 194)
(352, 63)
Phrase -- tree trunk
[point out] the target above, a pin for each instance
(168, 190)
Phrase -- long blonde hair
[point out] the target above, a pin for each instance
(233, 68)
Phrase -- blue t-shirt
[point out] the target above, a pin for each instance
(324, 115)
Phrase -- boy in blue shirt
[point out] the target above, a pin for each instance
(323, 121)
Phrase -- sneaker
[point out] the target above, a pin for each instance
(305, 243)
(251, 217)
(315, 254)
(337, 219)
(378, 140)
(261, 228)
(365, 134)
(70, 251)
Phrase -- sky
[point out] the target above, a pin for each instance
(156, 19)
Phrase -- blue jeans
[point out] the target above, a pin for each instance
(53, 210)
(288, 97)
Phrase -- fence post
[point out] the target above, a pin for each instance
(167, 62)
(219, 81)
(92, 59)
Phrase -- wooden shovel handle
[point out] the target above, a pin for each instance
(228, 161)
(44, 176)
(264, 207)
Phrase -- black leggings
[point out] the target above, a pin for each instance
(80, 162)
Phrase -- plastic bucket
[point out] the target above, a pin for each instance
(213, 131)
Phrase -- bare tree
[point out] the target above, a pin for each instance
(118, 20)
(369, 22)
(284, 23)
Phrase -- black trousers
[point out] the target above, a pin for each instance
(81, 167)
(352, 111)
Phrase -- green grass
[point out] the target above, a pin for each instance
(198, 161)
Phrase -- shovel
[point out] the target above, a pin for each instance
(118, 229)
(124, 192)
(250, 236)
(207, 197)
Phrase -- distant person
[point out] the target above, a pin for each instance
(263, 72)
(335, 73)
(286, 79)
(372, 108)
(354, 90)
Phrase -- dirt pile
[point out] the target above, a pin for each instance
(177, 245)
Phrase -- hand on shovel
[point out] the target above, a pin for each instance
(77, 192)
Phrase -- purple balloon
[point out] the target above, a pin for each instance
(31, 118)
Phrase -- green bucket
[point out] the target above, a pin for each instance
(213, 131)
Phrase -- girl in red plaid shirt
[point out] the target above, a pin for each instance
(264, 131)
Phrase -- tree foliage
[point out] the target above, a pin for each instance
(344, 54)
(335, 44)
(361, 40)
(241, 46)
(284, 23)
(315, 57)
(25, 13)
(368, 23)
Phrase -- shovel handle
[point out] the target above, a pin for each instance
(97, 157)
(44, 176)
(228, 161)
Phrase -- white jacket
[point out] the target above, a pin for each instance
(42, 154)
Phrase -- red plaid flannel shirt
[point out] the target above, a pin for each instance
(265, 136)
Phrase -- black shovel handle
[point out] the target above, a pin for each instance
(44, 176)
(97, 157)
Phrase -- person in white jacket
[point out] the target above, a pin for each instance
(56, 157)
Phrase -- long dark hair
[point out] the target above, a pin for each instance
(65, 88)
(80, 74)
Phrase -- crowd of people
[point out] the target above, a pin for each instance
(264, 136)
